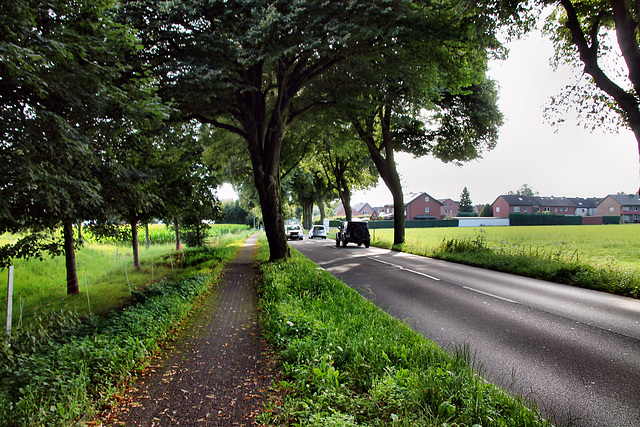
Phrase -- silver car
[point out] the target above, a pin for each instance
(318, 231)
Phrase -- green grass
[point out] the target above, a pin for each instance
(605, 257)
(105, 269)
(346, 362)
(596, 244)
(60, 367)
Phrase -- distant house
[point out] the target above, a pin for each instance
(420, 206)
(586, 207)
(627, 206)
(555, 205)
(513, 203)
(360, 209)
(449, 208)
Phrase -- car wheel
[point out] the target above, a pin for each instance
(344, 243)
(337, 243)
(366, 244)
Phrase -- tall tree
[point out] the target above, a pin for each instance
(465, 204)
(243, 65)
(346, 164)
(582, 34)
(431, 96)
(66, 94)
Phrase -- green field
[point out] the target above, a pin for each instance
(598, 245)
(105, 269)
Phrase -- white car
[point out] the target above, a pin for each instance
(294, 232)
(318, 231)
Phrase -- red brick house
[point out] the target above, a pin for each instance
(449, 208)
(513, 203)
(556, 205)
(627, 206)
(419, 206)
(360, 209)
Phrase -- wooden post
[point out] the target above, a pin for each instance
(9, 299)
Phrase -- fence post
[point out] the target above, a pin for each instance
(9, 299)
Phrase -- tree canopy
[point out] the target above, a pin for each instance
(67, 97)
(601, 37)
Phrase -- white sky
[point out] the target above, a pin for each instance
(569, 162)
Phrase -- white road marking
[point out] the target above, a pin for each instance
(435, 278)
(491, 295)
(419, 273)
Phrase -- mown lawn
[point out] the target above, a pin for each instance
(598, 245)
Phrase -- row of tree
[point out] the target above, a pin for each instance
(125, 110)
(83, 133)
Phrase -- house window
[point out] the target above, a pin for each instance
(525, 209)
(546, 209)
(426, 199)
(426, 210)
(516, 208)
(497, 208)
(611, 209)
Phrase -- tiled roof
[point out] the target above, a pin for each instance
(626, 199)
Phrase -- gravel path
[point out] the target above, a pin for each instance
(218, 372)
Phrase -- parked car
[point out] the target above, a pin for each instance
(294, 232)
(354, 232)
(318, 231)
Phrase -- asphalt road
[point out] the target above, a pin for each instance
(573, 351)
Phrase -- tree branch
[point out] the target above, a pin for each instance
(202, 119)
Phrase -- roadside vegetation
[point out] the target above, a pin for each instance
(62, 363)
(346, 362)
(599, 257)
(105, 270)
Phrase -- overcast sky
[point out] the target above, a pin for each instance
(569, 161)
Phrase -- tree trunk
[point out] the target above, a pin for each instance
(176, 231)
(146, 235)
(307, 215)
(320, 203)
(80, 241)
(70, 259)
(386, 166)
(134, 243)
(268, 186)
(345, 196)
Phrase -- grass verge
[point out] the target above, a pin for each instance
(347, 363)
(560, 265)
(60, 367)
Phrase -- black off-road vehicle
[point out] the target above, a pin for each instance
(354, 232)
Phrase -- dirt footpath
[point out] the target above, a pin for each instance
(218, 372)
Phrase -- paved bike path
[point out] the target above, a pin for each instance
(218, 372)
